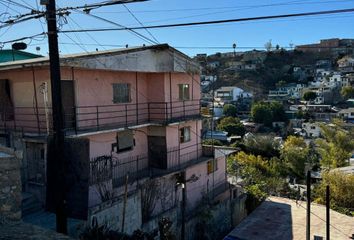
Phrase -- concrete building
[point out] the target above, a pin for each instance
(132, 121)
(230, 94)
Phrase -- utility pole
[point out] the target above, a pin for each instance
(308, 212)
(328, 223)
(57, 146)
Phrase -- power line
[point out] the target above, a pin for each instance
(217, 21)
(229, 7)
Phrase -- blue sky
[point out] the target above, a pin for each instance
(251, 34)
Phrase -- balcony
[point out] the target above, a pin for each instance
(83, 119)
(135, 168)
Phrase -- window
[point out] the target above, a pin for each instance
(185, 134)
(125, 141)
(121, 92)
(183, 91)
(212, 166)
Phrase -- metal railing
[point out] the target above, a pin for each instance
(105, 168)
(94, 118)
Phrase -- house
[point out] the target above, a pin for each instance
(310, 130)
(286, 92)
(346, 64)
(347, 114)
(132, 128)
(230, 94)
(8, 55)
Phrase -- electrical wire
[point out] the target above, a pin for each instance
(217, 21)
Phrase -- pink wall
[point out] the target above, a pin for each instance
(188, 150)
(205, 182)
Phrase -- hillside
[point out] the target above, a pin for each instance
(265, 69)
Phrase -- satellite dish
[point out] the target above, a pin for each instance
(19, 46)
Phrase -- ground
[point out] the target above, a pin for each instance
(282, 218)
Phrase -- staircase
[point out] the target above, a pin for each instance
(30, 204)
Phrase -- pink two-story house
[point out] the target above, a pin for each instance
(131, 116)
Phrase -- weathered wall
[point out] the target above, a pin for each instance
(10, 184)
(111, 213)
(224, 217)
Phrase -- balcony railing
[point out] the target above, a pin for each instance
(95, 118)
(134, 168)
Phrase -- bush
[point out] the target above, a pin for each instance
(230, 110)
(214, 142)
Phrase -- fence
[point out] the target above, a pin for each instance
(93, 118)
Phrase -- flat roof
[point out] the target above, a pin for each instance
(87, 55)
(283, 218)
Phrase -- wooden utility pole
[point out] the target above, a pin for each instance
(57, 146)
(308, 212)
(328, 223)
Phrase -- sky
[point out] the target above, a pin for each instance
(190, 40)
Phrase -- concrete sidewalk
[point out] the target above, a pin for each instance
(281, 218)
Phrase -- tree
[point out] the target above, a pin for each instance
(231, 125)
(347, 92)
(264, 146)
(295, 153)
(261, 113)
(336, 145)
(342, 191)
(268, 46)
(309, 96)
(230, 110)
(261, 176)
(278, 112)
(267, 113)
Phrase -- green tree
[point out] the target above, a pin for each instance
(231, 125)
(278, 112)
(260, 175)
(295, 153)
(266, 113)
(336, 145)
(263, 145)
(230, 110)
(308, 96)
(342, 191)
(347, 92)
(261, 113)
(214, 142)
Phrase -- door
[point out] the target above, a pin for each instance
(68, 101)
(157, 152)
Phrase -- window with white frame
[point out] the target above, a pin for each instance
(185, 134)
(183, 91)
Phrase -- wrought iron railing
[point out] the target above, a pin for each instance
(94, 118)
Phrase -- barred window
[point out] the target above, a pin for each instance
(121, 93)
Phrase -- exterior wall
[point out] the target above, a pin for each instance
(206, 183)
(10, 185)
(101, 145)
(188, 150)
(111, 213)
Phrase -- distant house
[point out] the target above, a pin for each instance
(347, 114)
(311, 130)
(9, 55)
(214, 64)
(325, 63)
(229, 94)
(291, 90)
(346, 64)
